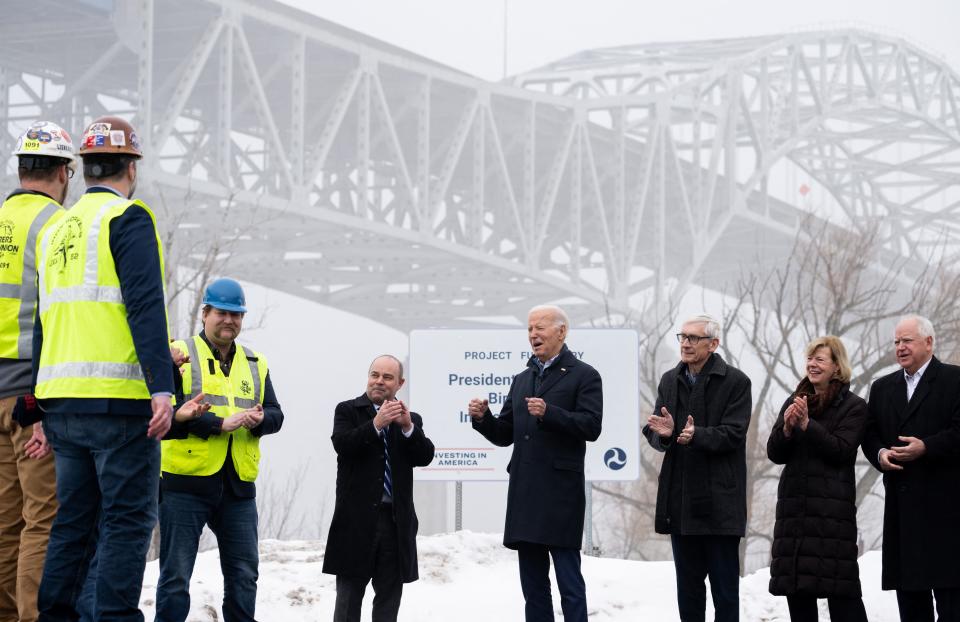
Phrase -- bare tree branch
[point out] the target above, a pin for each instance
(834, 281)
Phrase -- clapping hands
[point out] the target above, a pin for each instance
(478, 408)
(393, 411)
(249, 418)
(662, 424)
(796, 416)
(913, 449)
(191, 409)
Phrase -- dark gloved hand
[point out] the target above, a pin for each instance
(26, 412)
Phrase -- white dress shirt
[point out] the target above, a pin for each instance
(914, 380)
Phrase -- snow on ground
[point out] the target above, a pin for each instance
(471, 577)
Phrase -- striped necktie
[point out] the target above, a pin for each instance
(387, 471)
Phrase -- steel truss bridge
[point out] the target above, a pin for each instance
(338, 168)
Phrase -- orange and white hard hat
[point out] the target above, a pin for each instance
(110, 136)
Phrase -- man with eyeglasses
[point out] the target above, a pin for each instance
(700, 420)
(913, 438)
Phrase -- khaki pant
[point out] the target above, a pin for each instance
(28, 505)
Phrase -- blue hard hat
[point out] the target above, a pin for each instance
(226, 295)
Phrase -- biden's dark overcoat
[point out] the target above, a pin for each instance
(546, 498)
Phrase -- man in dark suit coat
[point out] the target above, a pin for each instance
(700, 420)
(553, 408)
(373, 535)
(913, 437)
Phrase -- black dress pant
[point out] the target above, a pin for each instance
(387, 582)
(918, 606)
(804, 609)
(695, 558)
(535, 582)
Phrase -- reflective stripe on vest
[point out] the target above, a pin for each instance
(88, 349)
(26, 291)
(90, 291)
(196, 380)
(120, 371)
(242, 402)
(195, 456)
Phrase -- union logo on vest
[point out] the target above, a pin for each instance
(6, 238)
(63, 243)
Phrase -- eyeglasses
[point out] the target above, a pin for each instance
(693, 339)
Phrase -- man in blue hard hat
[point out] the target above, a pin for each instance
(211, 458)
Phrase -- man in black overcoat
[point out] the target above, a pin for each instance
(554, 407)
(373, 535)
(913, 437)
(700, 420)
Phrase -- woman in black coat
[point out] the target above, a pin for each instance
(815, 537)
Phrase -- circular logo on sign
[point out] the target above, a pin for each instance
(615, 458)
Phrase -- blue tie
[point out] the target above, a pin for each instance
(387, 472)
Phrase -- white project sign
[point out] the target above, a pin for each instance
(449, 367)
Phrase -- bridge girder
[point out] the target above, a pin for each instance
(352, 173)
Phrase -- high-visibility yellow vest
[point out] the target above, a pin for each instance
(88, 349)
(241, 390)
(24, 218)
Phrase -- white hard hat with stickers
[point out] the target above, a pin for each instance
(47, 139)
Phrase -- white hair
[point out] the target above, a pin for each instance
(559, 315)
(711, 324)
(924, 326)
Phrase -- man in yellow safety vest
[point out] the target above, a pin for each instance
(28, 502)
(104, 377)
(210, 462)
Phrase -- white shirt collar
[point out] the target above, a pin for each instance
(543, 366)
(915, 377)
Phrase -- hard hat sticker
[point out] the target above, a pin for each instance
(117, 139)
(98, 129)
(40, 135)
(93, 141)
(43, 138)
